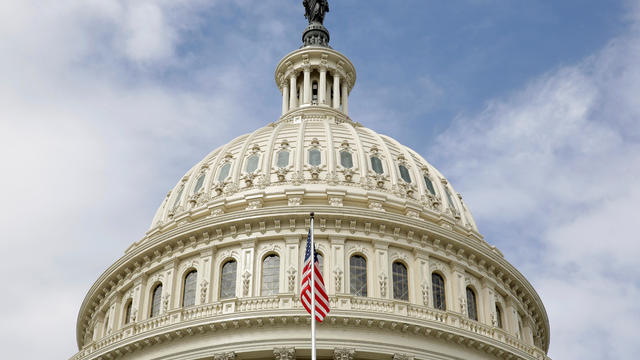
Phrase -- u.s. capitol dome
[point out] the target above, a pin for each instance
(407, 272)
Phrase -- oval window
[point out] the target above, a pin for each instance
(404, 173)
(314, 157)
(346, 159)
(283, 159)
(252, 163)
(224, 172)
(376, 164)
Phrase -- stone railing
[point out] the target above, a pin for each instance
(342, 306)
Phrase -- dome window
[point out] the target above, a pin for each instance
(358, 275)
(376, 165)
(228, 280)
(400, 281)
(127, 311)
(346, 159)
(498, 316)
(179, 197)
(283, 159)
(404, 173)
(315, 159)
(429, 185)
(271, 275)
(314, 92)
(437, 287)
(189, 289)
(472, 308)
(449, 198)
(224, 172)
(199, 183)
(252, 163)
(156, 301)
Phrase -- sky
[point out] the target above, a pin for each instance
(530, 108)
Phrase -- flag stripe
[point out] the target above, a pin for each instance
(322, 300)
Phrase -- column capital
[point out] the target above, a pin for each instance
(284, 353)
(306, 68)
(344, 353)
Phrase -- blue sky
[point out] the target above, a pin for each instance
(530, 108)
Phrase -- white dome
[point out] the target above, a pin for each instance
(406, 272)
(245, 174)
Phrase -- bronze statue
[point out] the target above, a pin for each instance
(315, 10)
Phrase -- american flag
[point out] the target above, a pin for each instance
(322, 300)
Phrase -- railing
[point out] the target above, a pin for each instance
(341, 305)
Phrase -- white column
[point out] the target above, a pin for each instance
(322, 90)
(285, 98)
(307, 85)
(336, 91)
(345, 98)
(293, 101)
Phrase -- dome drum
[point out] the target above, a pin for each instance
(207, 243)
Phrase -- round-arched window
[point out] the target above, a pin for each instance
(199, 183)
(400, 281)
(358, 275)
(472, 308)
(189, 286)
(271, 275)
(437, 287)
(156, 301)
(228, 280)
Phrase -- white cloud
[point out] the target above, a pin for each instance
(559, 162)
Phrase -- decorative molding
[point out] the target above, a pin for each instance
(344, 353)
(284, 353)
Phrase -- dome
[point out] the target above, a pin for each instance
(218, 274)
(315, 158)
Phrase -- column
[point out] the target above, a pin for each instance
(285, 98)
(293, 90)
(336, 91)
(307, 86)
(322, 90)
(345, 98)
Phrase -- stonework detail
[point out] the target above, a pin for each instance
(284, 353)
(344, 353)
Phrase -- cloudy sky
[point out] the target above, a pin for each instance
(530, 107)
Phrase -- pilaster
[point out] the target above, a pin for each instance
(246, 268)
(337, 266)
(381, 273)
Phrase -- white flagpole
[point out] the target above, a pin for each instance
(313, 294)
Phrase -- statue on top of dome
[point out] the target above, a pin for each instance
(315, 10)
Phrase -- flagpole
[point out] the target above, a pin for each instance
(313, 294)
